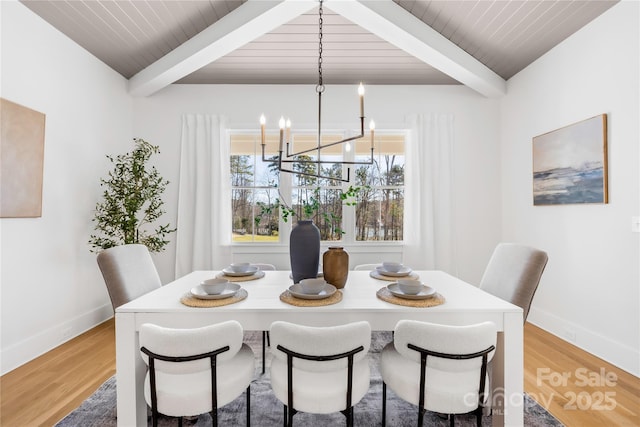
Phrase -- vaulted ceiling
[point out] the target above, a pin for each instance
(479, 43)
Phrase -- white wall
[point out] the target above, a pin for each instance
(590, 288)
(51, 288)
(476, 152)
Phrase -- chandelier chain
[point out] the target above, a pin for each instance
(320, 20)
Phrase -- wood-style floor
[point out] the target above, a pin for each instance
(576, 387)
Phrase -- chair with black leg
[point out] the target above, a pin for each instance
(513, 274)
(366, 267)
(320, 370)
(195, 371)
(128, 272)
(439, 368)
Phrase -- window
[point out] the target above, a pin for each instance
(380, 207)
(260, 195)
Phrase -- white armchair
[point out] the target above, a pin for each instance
(439, 368)
(320, 370)
(368, 267)
(193, 371)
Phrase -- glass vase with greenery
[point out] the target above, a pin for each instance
(131, 202)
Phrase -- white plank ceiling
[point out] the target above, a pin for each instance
(480, 43)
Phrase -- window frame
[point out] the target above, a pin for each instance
(286, 187)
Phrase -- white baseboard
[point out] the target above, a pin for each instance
(36, 345)
(616, 353)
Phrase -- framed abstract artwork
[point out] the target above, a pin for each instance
(570, 164)
(21, 161)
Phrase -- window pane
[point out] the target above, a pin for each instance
(267, 216)
(242, 207)
(379, 211)
(253, 190)
(379, 214)
(324, 206)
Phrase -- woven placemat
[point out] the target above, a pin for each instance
(257, 275)
(379, 276)
(191, 301)
(385, 295)
(299, 302)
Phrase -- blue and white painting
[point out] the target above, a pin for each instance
(570, 164)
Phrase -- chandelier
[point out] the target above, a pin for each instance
(285, 157)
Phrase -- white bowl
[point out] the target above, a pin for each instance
(410, 286)
(214, 286)
(240, 267)
(393, 267)
(312, 286)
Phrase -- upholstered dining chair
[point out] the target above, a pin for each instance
(320, 370)
(368, 267)
(128, 272)
(439, 368)
(264, 267)
(194, 371)
(513, 274)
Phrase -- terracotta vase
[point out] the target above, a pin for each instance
(304, 250)
(335, 266)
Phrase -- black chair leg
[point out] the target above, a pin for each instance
(180, 422)
(479, 412)
(268, 340)
(249, 405)
(452, 420)
(285, 417)
(384, 404)
(420, 417)
(290, 414)
(264, 338)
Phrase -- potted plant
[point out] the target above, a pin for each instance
(131, 202)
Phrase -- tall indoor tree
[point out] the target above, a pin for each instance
(131, 202)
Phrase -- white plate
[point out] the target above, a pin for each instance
(230, 291)
(229, 272)
(426, 292)
(296, 291)
(404, 271)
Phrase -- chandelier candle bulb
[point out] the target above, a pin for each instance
(288, 134)
(372, 127)
(361, 93)
(281, 123)
(263, 121)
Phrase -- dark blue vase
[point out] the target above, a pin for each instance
(304, 250)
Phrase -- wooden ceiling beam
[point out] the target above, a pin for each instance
(394, 24)
(244, 24)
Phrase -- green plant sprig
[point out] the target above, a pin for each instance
(311, 206)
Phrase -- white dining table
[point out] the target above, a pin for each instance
(464, 304)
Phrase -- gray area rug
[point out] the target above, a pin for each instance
(99, 410)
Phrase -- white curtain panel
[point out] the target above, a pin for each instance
(204, 209)
(428, 222)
